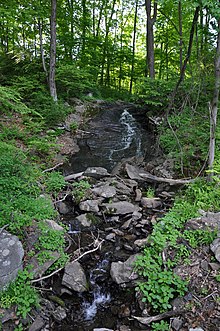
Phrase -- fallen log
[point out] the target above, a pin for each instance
(150, 319)
(73, 176)
(142, 175)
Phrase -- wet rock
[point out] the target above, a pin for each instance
(177, 323)
(90, 206)
(215, 248)
(105, 191)
(40, 268)
(122, 272)
(11, 255)
(38, 324)
(83, 220)
(63, 208)
(53, 225)
(59, 314)
(74, 277)
(151, 203)
(96, 172)
(141, 242)
(120, 208)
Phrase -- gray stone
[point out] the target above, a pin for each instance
(63, 208)
(120, 208)
(96, 172)
(133, 172)
(214, 266)
(83, 220)
(59, 314)
(126, 224)
(111, 237)
(136, 215)
(105, 191)
(90, 206)
(74, 277)
(38, 324)
(177, 323)
(141, 242)
(53, 225)
(151, 203)
(11, 255)
(196, 329)
(118, 232)
(40, 268)
(138, 195)
(102, 329)
(122, 272)
(208, 220)
(215, 248)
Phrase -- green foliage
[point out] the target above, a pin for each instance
(73, 127)
(80, 190)
(20, 293)
(20, 201)
(199, 237)
(54, 182)
(74, 82)
(150, 193)
(160, 326)
(154, 93)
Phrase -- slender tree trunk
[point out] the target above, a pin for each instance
(42, 48)
(52, 83)
(180, 33)
(214, 106)
(150, 36)
(183, 70)
(133, 46)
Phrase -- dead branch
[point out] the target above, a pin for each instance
(53, 168)
(151, 178)
(148, 320)
(73, 176)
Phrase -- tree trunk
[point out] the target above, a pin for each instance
(214, 107)
(52, 83)
(133, 47)
(180, 33)
(150, 36)
(42, 48)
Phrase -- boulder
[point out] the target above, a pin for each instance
(120, 208)
(90, 206)
(105, 191)
(11, 255)
(83, 220)
(141, 242)
(54, 225)
(74, 277)
(40, 268)
(63, 208)
(151, 203)
(215, 248)
(96, 172)
(122, 272)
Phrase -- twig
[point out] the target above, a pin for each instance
(148, 320)
(5, 226)
(90, 251)
(209, 295)
(53, 168)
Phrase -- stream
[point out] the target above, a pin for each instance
(114, 134)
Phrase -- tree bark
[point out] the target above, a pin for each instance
(180, 33)
(214, 106)
(133, 47)
(150, 37)
(52, 83)
(42, 48)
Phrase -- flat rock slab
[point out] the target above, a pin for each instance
(40, 268)
(74, 277)
(11, 255)
(96, 172)
(120, 208)
(122, 272)
(90, 206)
(105, 191)
(215, 248)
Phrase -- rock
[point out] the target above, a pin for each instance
(133, 172)
(209, 220)
(126, 224)
(83, 220)
(151, 203)
(90, 206)
(124, 328)
(63, 208)
(59, 314)
(177, 323)
(141, 242)
(38, 324)
(215, 248)
(118, 232)
(40, 268)
(124, 311)
(111, 237)
(74, 277)
(120, 208)
(196, 329)
(138, 195)
(136, 215)
(102, 329)
(96, 172)
(122, 272)
(105, 191)
(11, 255)
(53, 225)
(214, 266)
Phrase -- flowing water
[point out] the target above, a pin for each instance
(114, 134)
